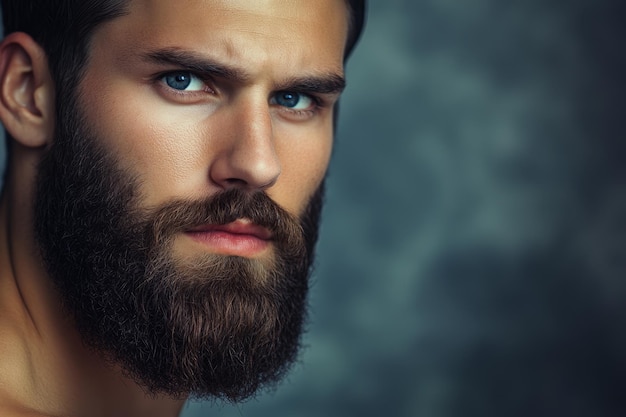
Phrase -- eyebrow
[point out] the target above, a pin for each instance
(325, 83)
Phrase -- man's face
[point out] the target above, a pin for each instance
(177, 209)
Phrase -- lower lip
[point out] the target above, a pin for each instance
(234, 244)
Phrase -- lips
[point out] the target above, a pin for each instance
(239, 238)
(238, 227)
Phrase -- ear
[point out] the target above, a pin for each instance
(26, 91)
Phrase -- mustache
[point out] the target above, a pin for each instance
(222, 208)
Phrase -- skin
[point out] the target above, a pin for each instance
(230, 131)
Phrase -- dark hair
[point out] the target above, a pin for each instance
(62, 28)
(357, 21)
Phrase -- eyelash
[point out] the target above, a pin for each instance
(317, 105)
(158, 79)
(318, 102)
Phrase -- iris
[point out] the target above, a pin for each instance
(288, 99)
(178, 80)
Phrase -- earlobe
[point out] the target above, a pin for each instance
(26, 91)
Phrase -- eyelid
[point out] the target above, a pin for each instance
(191, 96)
(320, 101)
(205, 78)
(318, 106)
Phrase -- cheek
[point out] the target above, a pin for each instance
(158, 145)
(304, 164)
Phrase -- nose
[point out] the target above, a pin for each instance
(248, 157)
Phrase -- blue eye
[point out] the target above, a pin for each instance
(183, 81)
(291, 100)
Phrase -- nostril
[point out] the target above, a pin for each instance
(235, 182)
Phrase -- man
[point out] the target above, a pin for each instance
(162, 196)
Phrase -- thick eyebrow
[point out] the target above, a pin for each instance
(321, 84)
(195, 63)
(328, 83)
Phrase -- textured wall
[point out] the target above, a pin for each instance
(473, 252)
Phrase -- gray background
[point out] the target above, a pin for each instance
(473, 250)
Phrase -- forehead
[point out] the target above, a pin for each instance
(294, 34)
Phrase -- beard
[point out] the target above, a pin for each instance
(207, 325)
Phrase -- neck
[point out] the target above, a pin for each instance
(45, 369)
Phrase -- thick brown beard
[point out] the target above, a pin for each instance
(220, 326)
